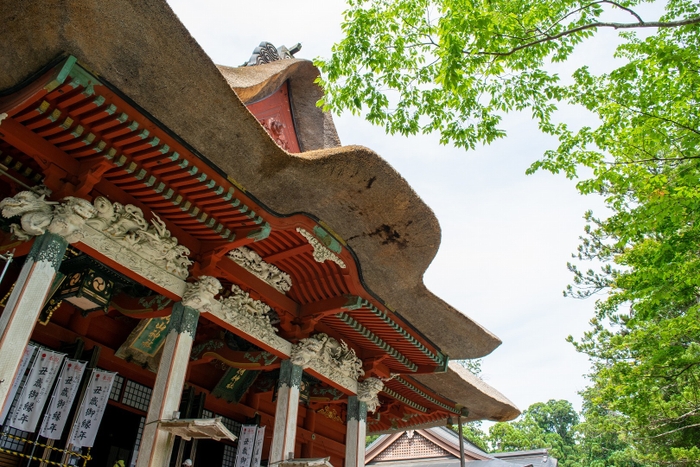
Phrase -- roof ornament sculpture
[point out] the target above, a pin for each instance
(250, 315)
(253, 263)
(324, 351)
(39, 215)
(200, 294)
(127, 226)
(266, 52)
(368, 392)
(123, 224)
(321, 253)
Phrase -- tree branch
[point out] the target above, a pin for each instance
(631, 12)
(673, 431)
(641, 24)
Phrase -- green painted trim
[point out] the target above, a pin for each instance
(327, 239)
(357, 410)
(63, 74)
(48, 247)
(184, 319)
(376, 340)
(290, 375)
(354, 303)
(438, 358)
(75, 75)
(261, 234)
(426, 396)
(403, 399)
(266, 357)
(83, 78)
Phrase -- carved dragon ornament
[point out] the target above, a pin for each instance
(123, 224)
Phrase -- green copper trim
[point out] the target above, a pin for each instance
(354, 303)
(50, 248)
(403, 399)
(63, 74)
(438, 358)
(327, 239)
(376, 340)
(184, 319)
(357, 410)
(426, 396)
(73, 74)
(261, 234)
(290, 375)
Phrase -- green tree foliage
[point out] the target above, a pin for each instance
(548, 425)
(473, 433)
(593, 442)
(456, 66)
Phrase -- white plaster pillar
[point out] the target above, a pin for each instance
(25, 304)
(286, 413)
(156, 445)
(356, 432)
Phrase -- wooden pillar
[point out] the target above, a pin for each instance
(156, 445)
(25, 304)
(307, 449)
(285, 432)
(461, 441)
(356, 432)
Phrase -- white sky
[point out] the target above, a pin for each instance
(506, 236)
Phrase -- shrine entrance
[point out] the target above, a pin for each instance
(117, 438)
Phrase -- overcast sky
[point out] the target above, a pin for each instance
(506, 237)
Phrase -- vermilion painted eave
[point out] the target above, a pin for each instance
(167, 73)
(34, 93)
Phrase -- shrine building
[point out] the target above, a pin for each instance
(194, 267)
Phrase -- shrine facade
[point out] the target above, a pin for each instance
(193, 243)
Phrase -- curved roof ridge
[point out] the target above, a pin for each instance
(360, 196)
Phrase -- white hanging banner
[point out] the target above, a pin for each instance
(23, 365)
(91, 409)
(62, 399)
(245, 446)
(257, 447)
(35, 392)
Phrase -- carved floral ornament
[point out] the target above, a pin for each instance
(124, 224)
(321, 253)
(327, 353)
(275, 129)
(368, 392)
(330, 413)
(253, 263)
(238, 309)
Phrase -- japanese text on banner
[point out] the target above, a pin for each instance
(257, 447)
(91, 409)
(245, 446)
(23, 365)
(62, 399)
(35, 392)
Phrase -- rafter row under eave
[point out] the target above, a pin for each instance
(111, 145)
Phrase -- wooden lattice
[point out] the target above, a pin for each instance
(411, 445)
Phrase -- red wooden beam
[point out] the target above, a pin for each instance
(35, 146)
(332, 306)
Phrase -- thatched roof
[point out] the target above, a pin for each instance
(144, 51)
